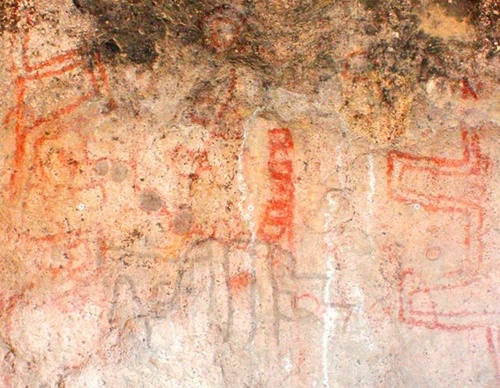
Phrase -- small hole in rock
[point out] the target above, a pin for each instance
(112, 47)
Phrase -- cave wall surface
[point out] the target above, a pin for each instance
(269, 193)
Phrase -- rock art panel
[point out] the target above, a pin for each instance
(270, 193)
(446, 285)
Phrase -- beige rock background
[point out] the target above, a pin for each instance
(269, 193)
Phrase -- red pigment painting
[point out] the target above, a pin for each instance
(462, 297)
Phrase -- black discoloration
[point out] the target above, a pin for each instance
(371, 4)
(255, 34)
(488, 23)
(111, 47)
(413, 54)
(77, 4)
(298, 45)
(421, 56)
(461, 9)
(9, 15)
(128, 29)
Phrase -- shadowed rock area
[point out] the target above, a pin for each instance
(396, 46)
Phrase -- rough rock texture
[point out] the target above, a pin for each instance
(269, 193)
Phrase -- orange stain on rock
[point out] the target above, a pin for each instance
(239, 282)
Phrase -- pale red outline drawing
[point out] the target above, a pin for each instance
(24, 72)
(428, 305)
(29, 72)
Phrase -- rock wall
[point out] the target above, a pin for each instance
(269, 193)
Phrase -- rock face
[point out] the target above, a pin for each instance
(269, 193)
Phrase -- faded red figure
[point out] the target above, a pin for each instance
(447, 284)
(246, 292)
(27, 119)
(50, 164)
(49, 187)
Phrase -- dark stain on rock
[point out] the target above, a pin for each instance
(461, 9)
(102, 167)
(128, 29)
(183, 222)
(119, 172)
(488, 24)
(413, 53)
(150, 201)
(134, 236)
(111, 47)
(371, 4)
(297, 45)
(9, 15)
